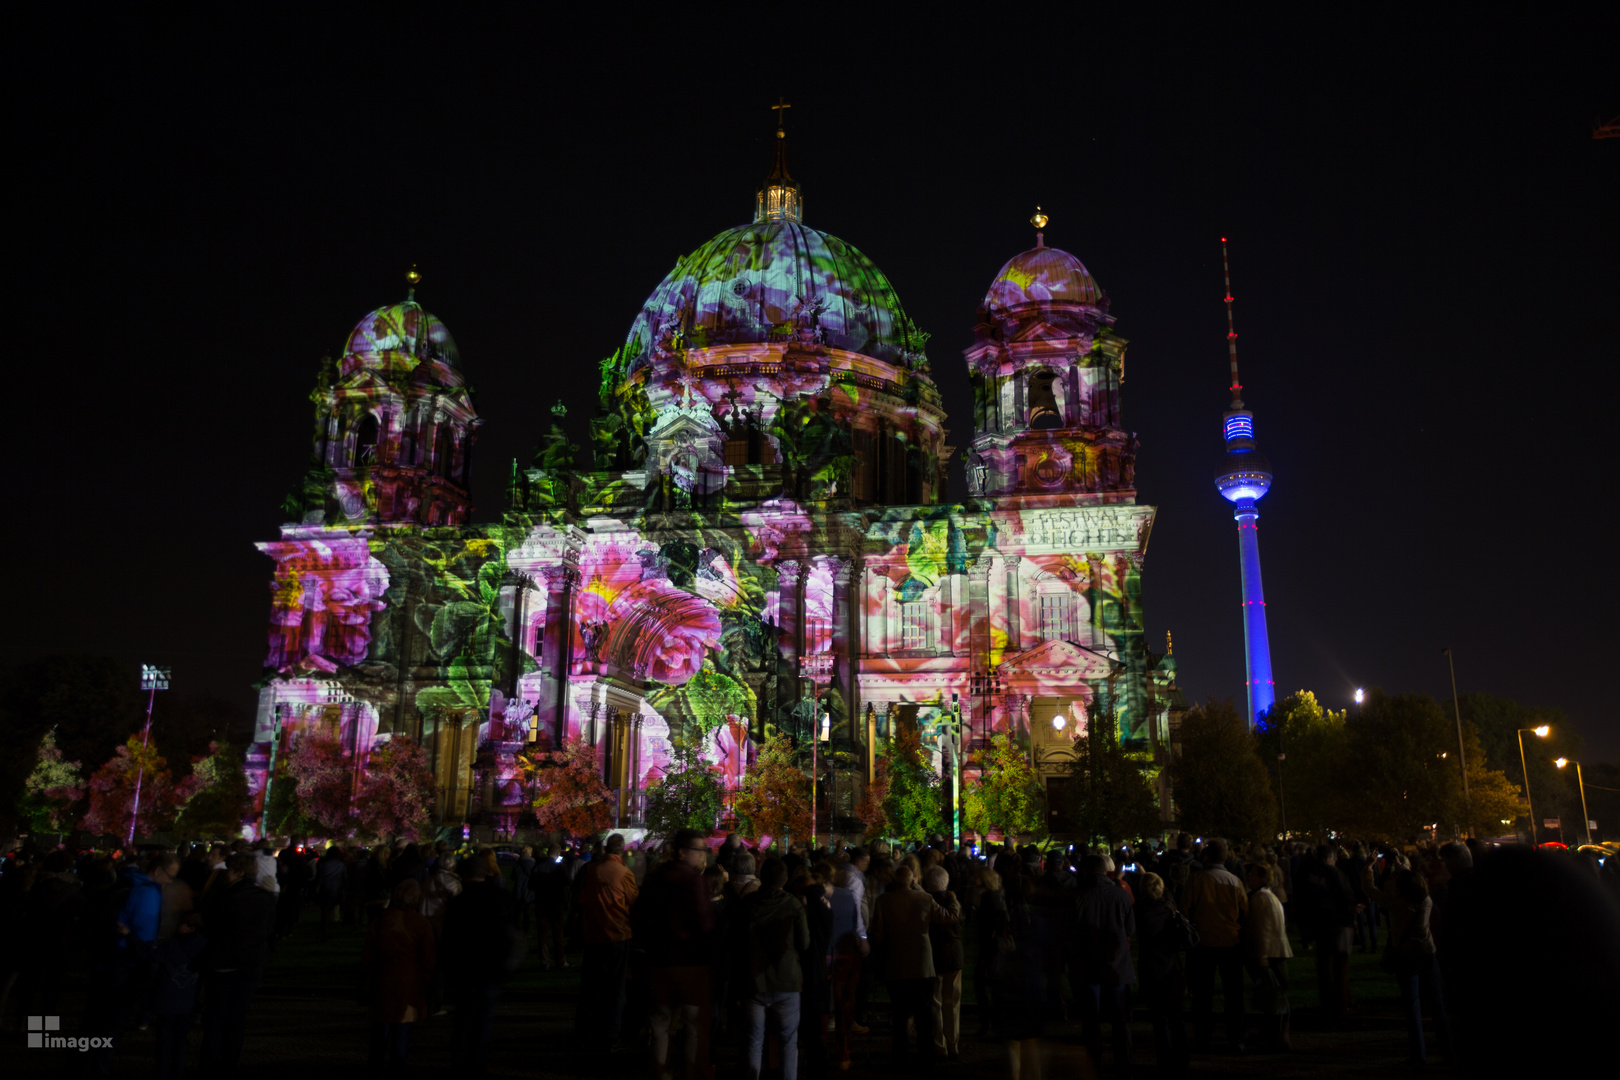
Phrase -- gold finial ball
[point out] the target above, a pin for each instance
(1038, 219)
(413, 279)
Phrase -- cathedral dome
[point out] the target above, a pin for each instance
(402, 339)
(1043, 274)
(769, 282)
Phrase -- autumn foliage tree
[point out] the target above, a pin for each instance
(1008, 796)
(112, 792)
(51, 790)
(395, 798)
(572, 797)
(774, 799)
(323, 776)
(869, 811)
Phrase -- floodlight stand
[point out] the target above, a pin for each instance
(1462, 753)
(140, 772)
(153, 679)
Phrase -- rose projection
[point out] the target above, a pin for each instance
(768, 487)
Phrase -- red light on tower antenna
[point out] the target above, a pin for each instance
(1223, 239)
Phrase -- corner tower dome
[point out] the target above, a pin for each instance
(402, 339)
(1043, 274)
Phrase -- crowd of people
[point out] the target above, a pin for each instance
(689, 946)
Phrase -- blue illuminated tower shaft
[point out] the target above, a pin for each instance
(1243, 477)
(1256, 645)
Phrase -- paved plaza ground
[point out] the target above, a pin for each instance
(305, 1021)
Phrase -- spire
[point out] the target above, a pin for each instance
(1039, 220)
(1231, 334)
(778, 197)
(412, 280)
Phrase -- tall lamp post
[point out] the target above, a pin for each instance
(955, 736)
(153, 679)
(1541, 733)
(1468, 803)
(810, 667)
(1581, 783)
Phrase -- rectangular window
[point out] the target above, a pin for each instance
(1055, 616)
(736, 452)
(914, 625)
(863, 477)
(818, 634)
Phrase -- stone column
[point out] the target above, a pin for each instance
(1015, 641)
(844, 646)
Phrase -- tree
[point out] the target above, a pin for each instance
(572, 795)
(1315, 778)
(324, 776)
(1496, 721)
(89, 701)
(913, 805)
(774, 799)
(689, 796)
(869, 810)
(1111, 797)
(214, 798)
(396, 791)
(1218, 781)
(51, 790)
(1404, 778)
(112, 792)
(284, 812)
(1008, 796)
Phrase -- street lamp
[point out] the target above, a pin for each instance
(1360, 694)
(1058, 722)
(1541, 731)
(1581, 783)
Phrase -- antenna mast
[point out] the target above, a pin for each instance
(1231, 333)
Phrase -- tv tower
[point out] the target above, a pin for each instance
(1243, 477)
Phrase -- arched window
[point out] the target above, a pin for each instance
(1043, 407)
(365, 442)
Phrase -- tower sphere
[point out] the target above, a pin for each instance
(1243, 474)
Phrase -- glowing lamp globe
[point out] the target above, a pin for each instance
(1057, 723)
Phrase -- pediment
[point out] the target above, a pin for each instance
(1075, 663)
(695, 422)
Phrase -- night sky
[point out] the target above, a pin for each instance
(1425, 253)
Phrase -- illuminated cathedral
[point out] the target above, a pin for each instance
(763, 543)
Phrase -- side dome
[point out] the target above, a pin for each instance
(402, 339)
(769, 282)
(1043, 274)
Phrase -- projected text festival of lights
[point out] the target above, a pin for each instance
(768, 483)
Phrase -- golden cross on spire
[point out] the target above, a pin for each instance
(780, 109)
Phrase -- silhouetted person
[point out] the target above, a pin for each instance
(239, 922)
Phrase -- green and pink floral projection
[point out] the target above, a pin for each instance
(768, 481)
